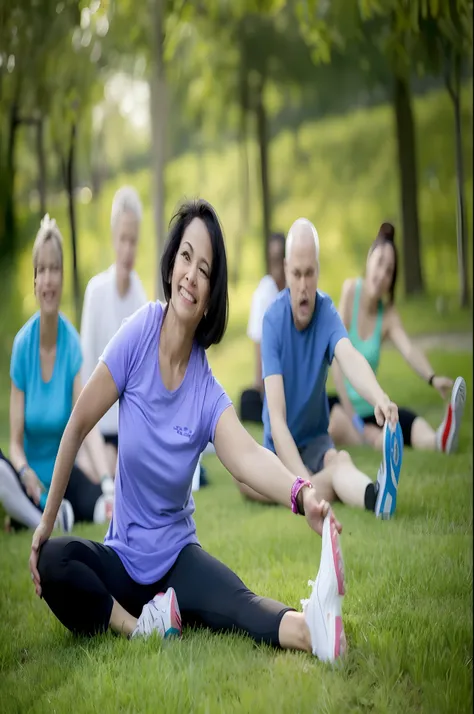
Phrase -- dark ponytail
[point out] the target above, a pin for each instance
(386, 235)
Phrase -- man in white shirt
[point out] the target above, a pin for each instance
(270, 285)
(110, 297)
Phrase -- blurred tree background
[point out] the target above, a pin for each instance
(350, 112)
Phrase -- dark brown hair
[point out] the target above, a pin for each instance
(211, 329)
(386, 235)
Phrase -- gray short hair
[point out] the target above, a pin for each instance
(48, 231)
(126, 200)
(300, 222)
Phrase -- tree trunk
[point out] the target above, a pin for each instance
(244, 180)
(158, 108)
(406, 142)
(262, 136)
(8, 222)
(70, 185)
(41, 165)
(454, 90)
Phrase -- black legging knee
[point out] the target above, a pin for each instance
(80, 580)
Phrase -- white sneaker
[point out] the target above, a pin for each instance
(447, 435)
(160, 615)
(103, 510)
(323, 609)
(65, 517)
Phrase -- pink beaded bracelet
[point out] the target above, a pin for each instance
(295, 489)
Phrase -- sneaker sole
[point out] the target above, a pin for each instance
(337, 557)
(332, 616)
(452, 421)
(392, 455)
(340, 644)
(175, 628)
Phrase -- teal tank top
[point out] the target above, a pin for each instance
(370, 348)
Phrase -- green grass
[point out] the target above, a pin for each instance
(408, 614)
(408, 608)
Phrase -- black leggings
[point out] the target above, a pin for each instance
(82, 495)
(405, 416)
(79, 578)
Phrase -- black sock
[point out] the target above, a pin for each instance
(370, 496)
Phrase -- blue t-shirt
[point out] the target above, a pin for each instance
(303, 359)
(48, 405)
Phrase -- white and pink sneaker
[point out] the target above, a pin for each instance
(447, 435)
(323, 610)
(160, 615)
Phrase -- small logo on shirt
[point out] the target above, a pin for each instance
(183, 431)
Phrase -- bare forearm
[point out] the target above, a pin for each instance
(338, 378)
(287, 450)
(65, 459)
(17, 455)
(363, 379)
(260, 469)
(419, 363)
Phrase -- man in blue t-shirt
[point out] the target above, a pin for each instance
(302, 333)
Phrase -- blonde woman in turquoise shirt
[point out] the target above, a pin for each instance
(367, 308)
(45, 384)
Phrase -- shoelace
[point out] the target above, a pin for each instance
(149, 621)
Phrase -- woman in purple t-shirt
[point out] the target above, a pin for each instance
(170, 407)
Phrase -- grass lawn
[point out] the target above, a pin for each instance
(408, 608)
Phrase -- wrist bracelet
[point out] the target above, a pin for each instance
(430, 381)
(22, 470)
(295, 489)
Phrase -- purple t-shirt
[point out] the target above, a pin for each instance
(161, 436)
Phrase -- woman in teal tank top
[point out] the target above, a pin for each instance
(368, 311)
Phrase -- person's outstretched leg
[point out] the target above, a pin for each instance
(416, 432)
(213, 596)
(348, 484)
(13, 498)
(340, 478)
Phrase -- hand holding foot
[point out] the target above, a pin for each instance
(443, 386)
(316, 511)
(386, 411)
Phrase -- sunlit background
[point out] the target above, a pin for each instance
(340, 111)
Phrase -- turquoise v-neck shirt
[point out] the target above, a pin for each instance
(48, 405)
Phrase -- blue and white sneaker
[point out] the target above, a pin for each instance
(389, 471)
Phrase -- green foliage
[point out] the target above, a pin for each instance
(338, 172)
